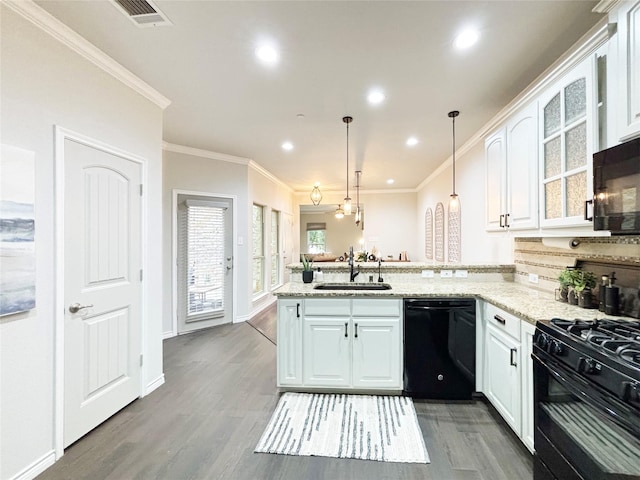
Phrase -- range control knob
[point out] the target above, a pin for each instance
(555, 348)
(587, 365)
(543, 341)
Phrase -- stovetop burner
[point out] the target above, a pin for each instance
(613, 337)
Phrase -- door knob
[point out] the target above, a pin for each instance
(76, 307)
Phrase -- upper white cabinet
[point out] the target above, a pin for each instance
(566, 112)
(512, 173)
(628, 69)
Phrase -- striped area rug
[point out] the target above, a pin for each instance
(382, 428)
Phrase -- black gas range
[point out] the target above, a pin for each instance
(587, 399)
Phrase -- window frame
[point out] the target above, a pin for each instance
(258, 256)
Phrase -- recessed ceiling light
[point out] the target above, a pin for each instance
(267, 54)
(375, 97)
(466, 39)
(390, 181)
(287, 146)
(411, 141)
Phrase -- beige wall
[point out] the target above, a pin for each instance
(44, 84)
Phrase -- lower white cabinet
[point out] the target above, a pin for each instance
(289, 334)
(503, 376)
(343, 343)
(508, 369)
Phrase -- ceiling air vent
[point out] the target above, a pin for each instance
(142, 12)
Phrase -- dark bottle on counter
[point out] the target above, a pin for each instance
(601, 292)
(611, 297)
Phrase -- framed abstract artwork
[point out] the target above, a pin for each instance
(17, 231)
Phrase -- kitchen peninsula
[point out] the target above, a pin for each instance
(353, 340)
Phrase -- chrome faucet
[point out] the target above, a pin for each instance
(352, 274)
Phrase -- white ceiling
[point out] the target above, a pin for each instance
(331, 54)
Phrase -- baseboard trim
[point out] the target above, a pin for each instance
(157, 383)
(169, 334)
(253, 313)
(37, 467)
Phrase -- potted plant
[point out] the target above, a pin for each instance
(566, 279)
(307, 272)
(583, 284)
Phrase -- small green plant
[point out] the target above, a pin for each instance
(584, 280)
(306, 263)
(568, 277)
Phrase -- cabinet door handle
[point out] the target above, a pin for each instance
(499, 319)
(506, 220)
(501, 221)
(346, 329)
(356, 335)
(298, 310)
(513, 361)
(586, 210)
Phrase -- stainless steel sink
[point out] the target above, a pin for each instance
(352, 286)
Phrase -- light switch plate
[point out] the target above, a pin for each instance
(461, 274)
(427, 273)
(533, 278)
(446, 273)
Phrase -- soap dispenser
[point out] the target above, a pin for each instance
(611, 297)
(319, 275)
(604, 282)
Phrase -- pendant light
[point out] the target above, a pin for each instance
(358, 213)
(339, 212)
(454, 203)
(316, 194)
(347, 199)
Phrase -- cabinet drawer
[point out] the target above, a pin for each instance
(502, 320)
(387, 307)
(327, 307)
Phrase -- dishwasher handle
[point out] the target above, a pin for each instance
(436, 307)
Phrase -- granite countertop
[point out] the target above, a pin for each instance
(529, 304)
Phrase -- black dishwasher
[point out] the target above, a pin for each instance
(440, 348)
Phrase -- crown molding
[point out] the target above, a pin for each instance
(197, 152)
(58, 30)
(585, 46)
(266, 173)
(606, 6)
(299, 193)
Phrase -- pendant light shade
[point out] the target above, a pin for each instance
(316, 194)
(339, 212)
(347, 199)
(454, 203)
(358, 215)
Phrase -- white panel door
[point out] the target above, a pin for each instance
(289, 331)
(102, 280)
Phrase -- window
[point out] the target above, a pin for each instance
(258, 248)
(202, 244)
(275, 248)
(316, 237)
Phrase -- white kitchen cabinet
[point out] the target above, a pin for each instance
(512, 173)
(351, 344)
(376, 353)
(628, 69)
(566, 112)
(289, 334)
(502, 375)
(327, 351)
(526, 337)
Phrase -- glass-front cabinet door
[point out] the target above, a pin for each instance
(566, 148)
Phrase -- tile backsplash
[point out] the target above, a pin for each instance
(532, 256)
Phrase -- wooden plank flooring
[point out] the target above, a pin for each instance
(218, 397)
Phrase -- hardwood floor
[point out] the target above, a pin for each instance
(218, 397)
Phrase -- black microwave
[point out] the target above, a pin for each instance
(616, 189)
